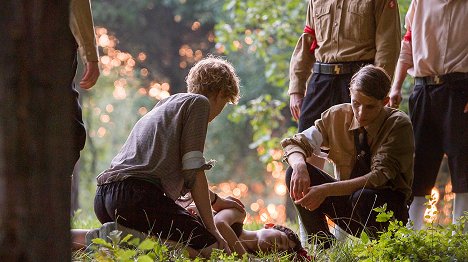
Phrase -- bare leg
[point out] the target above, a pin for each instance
(416, 212)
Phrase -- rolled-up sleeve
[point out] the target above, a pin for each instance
(193, 140)
(395, 156)
(302, 59)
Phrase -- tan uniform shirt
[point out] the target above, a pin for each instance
(82, 27)
(439, 41)
(391, 145)
(346, 31)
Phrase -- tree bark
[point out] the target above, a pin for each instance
(36, 137)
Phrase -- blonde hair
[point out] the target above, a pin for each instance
(372, 81)
(213, 75)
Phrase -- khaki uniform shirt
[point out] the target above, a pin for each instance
(439, 44)
(391, 144)
(82, 27)
(346, 31)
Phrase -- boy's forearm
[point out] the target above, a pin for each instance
(345, 187)
(230, 236)
(201, 197)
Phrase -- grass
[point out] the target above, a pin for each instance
(399, 243)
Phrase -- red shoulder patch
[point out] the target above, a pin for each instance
(391, 4)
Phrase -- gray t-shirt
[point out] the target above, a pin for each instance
(165, 146)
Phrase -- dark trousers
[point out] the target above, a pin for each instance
(351, 213)
(140, 205)
(323, 91)
(78, 125)
(440, 127)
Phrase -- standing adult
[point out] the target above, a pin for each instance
(82, 28)
(339, 38)
(434, 50)
(371, 147)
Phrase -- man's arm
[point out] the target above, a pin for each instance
(387, 34)
(395, 92)
(301, 64)
(405, 61)
(82, 27)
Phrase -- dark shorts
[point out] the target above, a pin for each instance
(352, 213)
(440, 127)
(143, 206)
(323, 91)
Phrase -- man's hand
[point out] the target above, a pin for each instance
(395, 98)
(228, 202)
(466, 108)
(314, 198)
(300, 181)
(90, 75)
(295, 104)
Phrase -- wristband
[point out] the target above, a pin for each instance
(214, 200)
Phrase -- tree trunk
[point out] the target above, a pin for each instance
(35, 130)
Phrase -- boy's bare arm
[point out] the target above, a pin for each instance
(223, 220)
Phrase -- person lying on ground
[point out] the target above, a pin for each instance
(271, 238)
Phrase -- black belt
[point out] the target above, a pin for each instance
(438, 80)
(339, 68)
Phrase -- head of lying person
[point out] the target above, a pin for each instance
(369, 89)
(276, 238)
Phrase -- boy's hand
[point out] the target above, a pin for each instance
(222, 243)
(228, 202)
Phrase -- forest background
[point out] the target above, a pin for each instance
(146, 49)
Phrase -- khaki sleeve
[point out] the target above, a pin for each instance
(395, 155)
(296, 144)
(406, 53)
(302, 59)
(387, 35)
(82, 27)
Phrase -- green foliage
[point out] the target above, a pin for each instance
(266, 118)
(402, 243)
(129, 248)
(272, 27)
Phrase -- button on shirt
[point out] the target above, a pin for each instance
(391, 145)
(347, 31)
(438, 43)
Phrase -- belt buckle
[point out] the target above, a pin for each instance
(337, 69)
(437, 80)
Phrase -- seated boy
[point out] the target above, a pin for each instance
(371, 147)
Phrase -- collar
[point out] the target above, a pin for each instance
(373, 128)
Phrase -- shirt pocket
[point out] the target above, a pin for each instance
(322, 19)
(359, 21)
